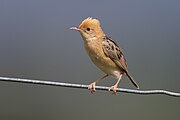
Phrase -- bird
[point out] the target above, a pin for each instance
(104, 52)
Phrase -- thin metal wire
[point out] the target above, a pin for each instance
(42, 82)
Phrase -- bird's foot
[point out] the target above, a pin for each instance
(91, 87)
(113, 88)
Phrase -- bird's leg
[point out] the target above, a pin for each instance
(91, 87)
(114, 87)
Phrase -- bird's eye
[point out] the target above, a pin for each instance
(88, 29)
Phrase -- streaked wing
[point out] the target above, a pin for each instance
(113, 51)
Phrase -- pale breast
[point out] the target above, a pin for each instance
(98, 57)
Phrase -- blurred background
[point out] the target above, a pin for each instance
(36, 43)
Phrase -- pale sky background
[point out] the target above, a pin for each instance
(35, 42)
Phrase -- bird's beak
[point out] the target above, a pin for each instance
(75, 28)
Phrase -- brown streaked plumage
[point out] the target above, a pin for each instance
(103, 52)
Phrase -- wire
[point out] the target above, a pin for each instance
(42, 82)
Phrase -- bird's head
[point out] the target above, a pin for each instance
(89, 28)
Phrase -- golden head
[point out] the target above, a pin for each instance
(89, 28)
(90, 22)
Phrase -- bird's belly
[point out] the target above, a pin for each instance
(106, 65)
(103, 62)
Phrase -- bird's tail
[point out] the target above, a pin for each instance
(132, 80)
